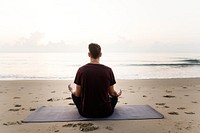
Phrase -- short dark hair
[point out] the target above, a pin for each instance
(95, 50)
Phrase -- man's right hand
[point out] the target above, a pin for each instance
(119, 94)
(70, 88)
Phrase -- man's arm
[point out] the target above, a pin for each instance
(77, 92)
(113, 93)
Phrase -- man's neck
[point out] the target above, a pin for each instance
(94, 61)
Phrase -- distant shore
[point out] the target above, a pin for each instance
(177, 99)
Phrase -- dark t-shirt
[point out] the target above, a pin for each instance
(94, 80)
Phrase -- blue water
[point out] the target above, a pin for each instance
(45, 66)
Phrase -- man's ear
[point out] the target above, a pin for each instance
(89, 54)
(100, 54)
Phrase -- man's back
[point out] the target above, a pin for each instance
(95, 95)
(95, 80)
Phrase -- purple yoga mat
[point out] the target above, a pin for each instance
(70, 113)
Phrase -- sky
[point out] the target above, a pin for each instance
(117, 25)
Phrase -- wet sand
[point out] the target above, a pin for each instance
(177, 99)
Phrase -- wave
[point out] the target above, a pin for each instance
(175, 64)
(192, 61)
(31, 77)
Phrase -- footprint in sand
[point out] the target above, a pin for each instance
(109, 128)
(167, 91)
(18, 105)
(32, 109)
(194, 102)
(71, 104)
(53, 91)
(84, 127)
(70, 125)
(160, 103)
(53, 99)
(190, 113)
(13, 110)
(173, 113)
(166, 107)
(181, 108)
(169, 96)
(16, 97)
(184, 87)
(68, 98)
(50, 100)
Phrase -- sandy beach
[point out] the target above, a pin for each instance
(177, 99)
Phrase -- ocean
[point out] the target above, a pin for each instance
(63, 66)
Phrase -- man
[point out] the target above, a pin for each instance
(95, 95)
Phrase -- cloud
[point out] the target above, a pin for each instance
(35, 43)
(34, 39)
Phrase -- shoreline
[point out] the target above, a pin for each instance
(116, 79)
(177, 99)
